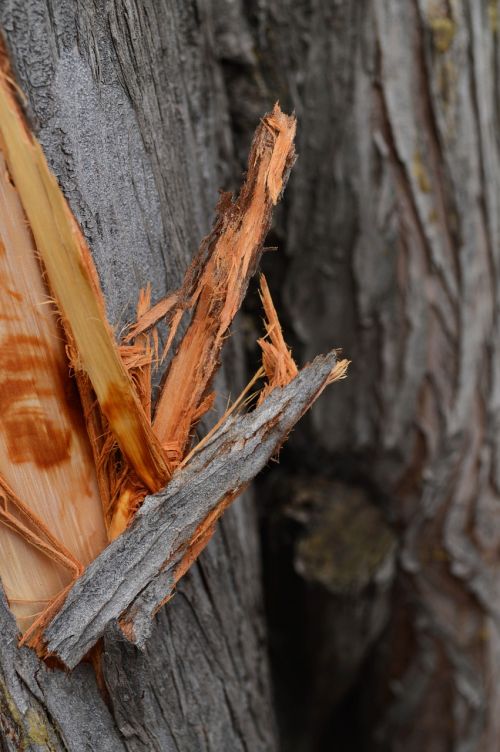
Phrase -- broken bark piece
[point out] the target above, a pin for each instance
(219, 278)
(136, 573)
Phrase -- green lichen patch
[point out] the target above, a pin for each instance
(25, 731)
(420, 173)
(493, 15)
(443, 32)
(38, 732)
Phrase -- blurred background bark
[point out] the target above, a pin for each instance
(380, 527)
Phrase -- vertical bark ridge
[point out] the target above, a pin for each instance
(413, 161)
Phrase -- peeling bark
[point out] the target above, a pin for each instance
(391, 228)
(214, 287)
(137, 573)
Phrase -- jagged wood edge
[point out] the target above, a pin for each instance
(136, 573)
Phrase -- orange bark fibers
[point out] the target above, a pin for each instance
(63, 449)
(339, 372)
(214, 288)
(127, 489)
(73, 283)
(279, 366)
(229, 256)
(277, 362)
(139, 357)
(75, 463)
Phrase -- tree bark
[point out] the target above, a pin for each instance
(391, 229)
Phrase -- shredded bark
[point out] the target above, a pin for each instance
(51, 522)
(123, 447)
(279, 366)
(214, 288)
(226, 262)
(136, 573)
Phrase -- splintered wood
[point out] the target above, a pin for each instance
(230, 255)
(279, 366)
(74, 285)
(81, 444)
(214, 288)
(49, 480)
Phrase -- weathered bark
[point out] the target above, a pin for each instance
(392, 231)
(136, 574)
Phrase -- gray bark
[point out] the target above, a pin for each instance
(392, 233)
(136, 573)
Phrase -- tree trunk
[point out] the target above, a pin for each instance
(381, 527)
(129, 104)
(391, 227)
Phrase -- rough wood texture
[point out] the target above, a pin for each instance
(129, 104)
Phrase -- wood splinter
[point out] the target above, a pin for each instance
(81, 446)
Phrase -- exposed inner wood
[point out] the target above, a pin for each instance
(279, 366)
(214, 288)
(45, 454)
(138, 571)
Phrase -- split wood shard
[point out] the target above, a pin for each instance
(80, 448)
(136, 573)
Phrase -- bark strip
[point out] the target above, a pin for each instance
(229, 256)
(51, 522)
(137, 572)
(214, 287)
